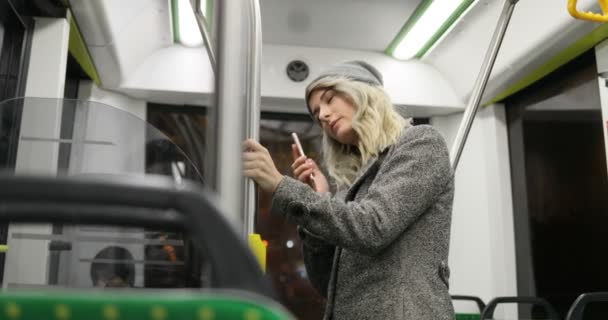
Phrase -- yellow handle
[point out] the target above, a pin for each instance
(259, 249)
(589, 16)
(604, 6)
(3, 248)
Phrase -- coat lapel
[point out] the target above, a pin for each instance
(369, 169)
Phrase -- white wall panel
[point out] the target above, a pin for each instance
(27, 260)
(181, 74)
(482, 247)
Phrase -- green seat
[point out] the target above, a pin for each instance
(239, 290)
(133, 305)
(468, 316)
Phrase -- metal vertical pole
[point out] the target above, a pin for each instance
(601, 56)
(212, 137)
(203, 26)
(231, 102)
(253, 102)
(481, 82)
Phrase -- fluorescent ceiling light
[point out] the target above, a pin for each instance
(188, 33)
(426, 25)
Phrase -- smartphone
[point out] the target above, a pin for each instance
(296, 140)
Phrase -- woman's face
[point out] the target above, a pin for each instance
(335, 113)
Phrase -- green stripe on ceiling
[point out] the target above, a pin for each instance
(445, 26)
(582, 45)
(80, 52)
(418, 12)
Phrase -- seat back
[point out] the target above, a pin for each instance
(469, 316)
(577, 309)
(117, 304)
(488, 312)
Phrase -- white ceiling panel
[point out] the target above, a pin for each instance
(342, 24)
(530, 40)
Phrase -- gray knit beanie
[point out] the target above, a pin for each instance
(352, 70)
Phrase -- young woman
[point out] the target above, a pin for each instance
(378, 247)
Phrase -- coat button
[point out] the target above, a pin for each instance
(444, 273)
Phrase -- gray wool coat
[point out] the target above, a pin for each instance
(380, 250)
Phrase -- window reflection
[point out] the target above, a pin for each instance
(285, 263)
(187, 128)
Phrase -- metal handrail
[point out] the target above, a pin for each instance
(253, 103)
(231, 104)
(481, 82)
(203, 27)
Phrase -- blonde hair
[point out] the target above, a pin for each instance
(376, 124)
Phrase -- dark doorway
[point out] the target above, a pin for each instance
(560, 187)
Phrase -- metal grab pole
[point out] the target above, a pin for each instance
(481, 82)
(202, 26)
(253, 103)
(231, 102)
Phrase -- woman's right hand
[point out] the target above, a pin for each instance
(307, 171)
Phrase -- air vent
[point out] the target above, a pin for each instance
(297, 71)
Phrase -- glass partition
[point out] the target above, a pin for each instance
(97, 139)
(63, 137)
(112, 256)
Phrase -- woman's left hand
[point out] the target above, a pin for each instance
(258, 165)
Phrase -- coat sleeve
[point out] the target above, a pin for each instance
(408, 182)
(318, 259)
